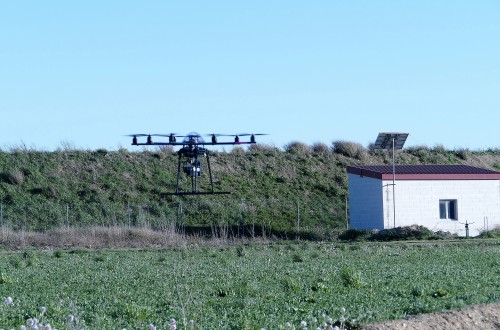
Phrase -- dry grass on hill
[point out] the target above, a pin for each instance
(101, 237)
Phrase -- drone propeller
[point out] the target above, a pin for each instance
(192, 138)
(215, 135)
(171, 137)
(134, 138)
(236, 136)
(168, 135)
(136, 135)
(252, 136)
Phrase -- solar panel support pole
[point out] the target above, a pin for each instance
(394, 180)
(383, 142)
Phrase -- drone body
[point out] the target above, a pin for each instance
(191, 152)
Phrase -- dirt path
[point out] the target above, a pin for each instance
(476, 317)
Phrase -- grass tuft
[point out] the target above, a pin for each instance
(350, 278)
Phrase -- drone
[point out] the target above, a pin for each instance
(190, 154)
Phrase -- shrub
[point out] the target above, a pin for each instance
(439, 148)
(355, 235)
(320, 148)
(418, 150)
(349, 149)
(462, 153)
(296, 147)
(262, 148)
(413, 232)
(237, 150)
(167, 150)
(14, 176)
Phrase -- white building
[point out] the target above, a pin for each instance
(439, 197)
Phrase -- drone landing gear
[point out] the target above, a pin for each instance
(193, 170)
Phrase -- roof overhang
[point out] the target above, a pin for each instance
(427, 176)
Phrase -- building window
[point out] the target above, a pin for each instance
(448, 209)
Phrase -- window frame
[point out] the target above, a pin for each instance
(448, 209)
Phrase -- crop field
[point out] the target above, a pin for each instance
(245, 286)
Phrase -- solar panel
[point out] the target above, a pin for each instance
(384, 140)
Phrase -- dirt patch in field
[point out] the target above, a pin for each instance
(482, 317)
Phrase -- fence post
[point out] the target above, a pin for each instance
(179, 214)
(67, 215)
(1, 214)
(346, 216)
(242, 222)
(129, 212)
(298, 216)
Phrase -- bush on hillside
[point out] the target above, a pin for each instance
(439, 148)
(349, 149)
(462, 153)
(320, 148)
(15, 176)
(263, 148)
(415, 150)
(296, 147)
(426, 155)
(167, 150)
(238, 150)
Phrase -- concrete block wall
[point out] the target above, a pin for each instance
(417, 202)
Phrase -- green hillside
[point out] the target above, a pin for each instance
(301, 188)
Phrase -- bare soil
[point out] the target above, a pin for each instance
(476, 317)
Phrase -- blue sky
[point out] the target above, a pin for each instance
(85, 73)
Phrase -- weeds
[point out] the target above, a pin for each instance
(240, 251)
(350, 278)
(297, 257)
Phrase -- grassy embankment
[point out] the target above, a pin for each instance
(299, 190)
